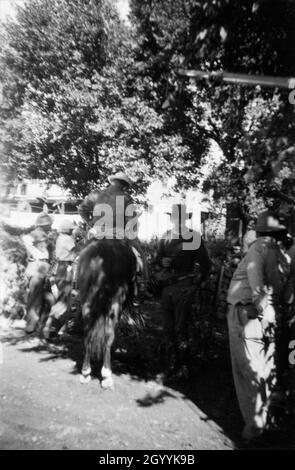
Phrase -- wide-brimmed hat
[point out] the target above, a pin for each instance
(121, 176)
(179, 210)
(268, 221)
(43, 219)
(65, 226)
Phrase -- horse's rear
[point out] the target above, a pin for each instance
(106, 276)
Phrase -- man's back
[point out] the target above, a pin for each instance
(113, 198)
(261, 267)
(106, 209)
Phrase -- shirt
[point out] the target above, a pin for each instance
(37, 244)
(263, 267)
(111, 208)
(172, 245)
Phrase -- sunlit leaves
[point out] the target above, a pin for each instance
(246, 123)
(81, 110)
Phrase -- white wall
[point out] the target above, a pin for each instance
(153, 222)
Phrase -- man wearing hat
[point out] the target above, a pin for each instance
(256, 294)
(40, 246)
(112, 214)
(65, 253)
(180, 251)
(104, 205)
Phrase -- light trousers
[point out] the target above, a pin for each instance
(253, 364)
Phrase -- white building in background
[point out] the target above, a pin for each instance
(153, 222)
(21, 203)
(33, 189)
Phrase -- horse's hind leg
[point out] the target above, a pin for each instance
(110, 324)
(85, 376)
(106, 371)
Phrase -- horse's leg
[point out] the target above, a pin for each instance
(106, 371)
(110, 324)
(85, 376)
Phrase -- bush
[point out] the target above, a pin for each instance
(13, 261)
(224, 257)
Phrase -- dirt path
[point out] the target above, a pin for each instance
(43, 406)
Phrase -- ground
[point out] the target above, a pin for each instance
(44, 406)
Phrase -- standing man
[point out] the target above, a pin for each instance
(255, 297)
(65, 254)
(180, 251)
(40, 247)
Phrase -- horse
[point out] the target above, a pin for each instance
(106, 282)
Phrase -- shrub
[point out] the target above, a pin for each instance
(13, 261)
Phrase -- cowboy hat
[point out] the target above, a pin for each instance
(121, 176)
(65, 226)
(268, 221)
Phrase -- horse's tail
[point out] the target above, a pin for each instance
(105, 276)
(97, 337)
(95, 298)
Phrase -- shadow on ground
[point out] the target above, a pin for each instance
(140, 355)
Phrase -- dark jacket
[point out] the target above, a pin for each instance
(184, 260)
(91, 209)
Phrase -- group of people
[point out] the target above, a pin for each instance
(260, 295)
(53, 255)
(50, 269)
(111, 213)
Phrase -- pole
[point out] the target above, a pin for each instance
(242, 79)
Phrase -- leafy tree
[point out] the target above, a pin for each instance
(86, 96)
(252, 127)
(73, 111)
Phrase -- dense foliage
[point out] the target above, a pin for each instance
(69, 114)
(75, 108)
(13, 283)
(253, 127)
(86, 94)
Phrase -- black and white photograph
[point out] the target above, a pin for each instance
(147, 228)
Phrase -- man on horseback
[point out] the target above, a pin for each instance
(90, 208)
(106, 270)
(111, 214)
